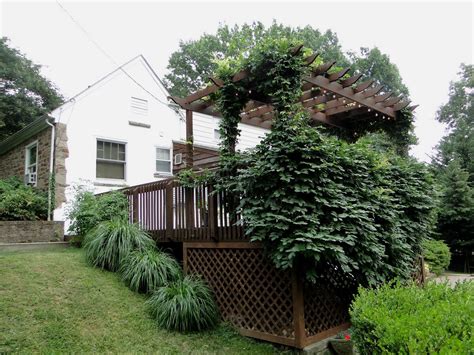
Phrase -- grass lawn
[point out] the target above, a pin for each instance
(52, 301)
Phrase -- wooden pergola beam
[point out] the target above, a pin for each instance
(383, 97)
(338, 75)
(350, 81)
(349, 93)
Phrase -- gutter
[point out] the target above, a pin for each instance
(51, 166)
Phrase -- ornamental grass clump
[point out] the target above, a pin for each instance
(110, 242)
(184, 305)
(145, 270)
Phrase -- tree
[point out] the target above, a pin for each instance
(454, 164)
(24, 93)
(456, 215)
(192, 64)
(458, 114)
(377, 66)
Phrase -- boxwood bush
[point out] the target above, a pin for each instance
(398, 319)
(20, 202)
(437, 255)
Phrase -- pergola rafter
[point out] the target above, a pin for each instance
(331, 98)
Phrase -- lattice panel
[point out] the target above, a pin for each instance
(326, 303)
(250, 292)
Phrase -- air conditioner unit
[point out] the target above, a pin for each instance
(30, 178)
(178, 159)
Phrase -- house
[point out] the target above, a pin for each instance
(120, 131)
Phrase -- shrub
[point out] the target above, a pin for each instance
(111, 241)
(437, 255)
(87, 210)
(184, 305)
(147, 269)
(399, 319)
(19, 202)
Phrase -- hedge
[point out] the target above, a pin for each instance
(412, 320)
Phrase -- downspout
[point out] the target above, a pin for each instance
(51, 166)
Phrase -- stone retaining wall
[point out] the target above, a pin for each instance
(31, 231)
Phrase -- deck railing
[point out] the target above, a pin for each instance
(171, 212)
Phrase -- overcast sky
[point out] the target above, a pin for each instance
(426, 40)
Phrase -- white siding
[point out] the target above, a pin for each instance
(105, 111)
(204, 126)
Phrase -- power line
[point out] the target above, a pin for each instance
(107, 55)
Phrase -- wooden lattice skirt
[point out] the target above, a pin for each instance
(266, 303)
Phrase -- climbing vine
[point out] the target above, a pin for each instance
(336, 205)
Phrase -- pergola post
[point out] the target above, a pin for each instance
(189, 139)
(189, 165)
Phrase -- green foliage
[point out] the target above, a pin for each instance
(87, 210)
(184, 305)
(458, 114)
(333, 204)
(454, 165)
(25, 94)
(110, 242)
(456, 216)
(147, 269)
(397, 319)
(195, 61)
(230, 49)
(19, 202)
(375, 65)
(436, 253)
(190, 178)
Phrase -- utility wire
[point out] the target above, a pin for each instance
(107, 55)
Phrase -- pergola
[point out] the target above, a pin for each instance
(331, 98)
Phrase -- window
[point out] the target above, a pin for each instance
(163, 160)
(110, 163)
(139, 106)
(31, 165)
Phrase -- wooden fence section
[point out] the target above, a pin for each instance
(172, 212)
(266, 303)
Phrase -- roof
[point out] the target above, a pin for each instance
(334, 99)
(39, 124)
(25, 133)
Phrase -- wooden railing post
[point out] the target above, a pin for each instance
(212, 217)
(135, 206)
(169, 210)
(298, 306)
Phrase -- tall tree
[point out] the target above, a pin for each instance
(192, 64)
(456, 215)
(458, 114)
(454, 164)
(375, 65)
(24, 93)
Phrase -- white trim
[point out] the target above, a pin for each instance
(170, 160)
(27, 157)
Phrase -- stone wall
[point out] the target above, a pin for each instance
(31, 231)
(62, 152)
(12, 163)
